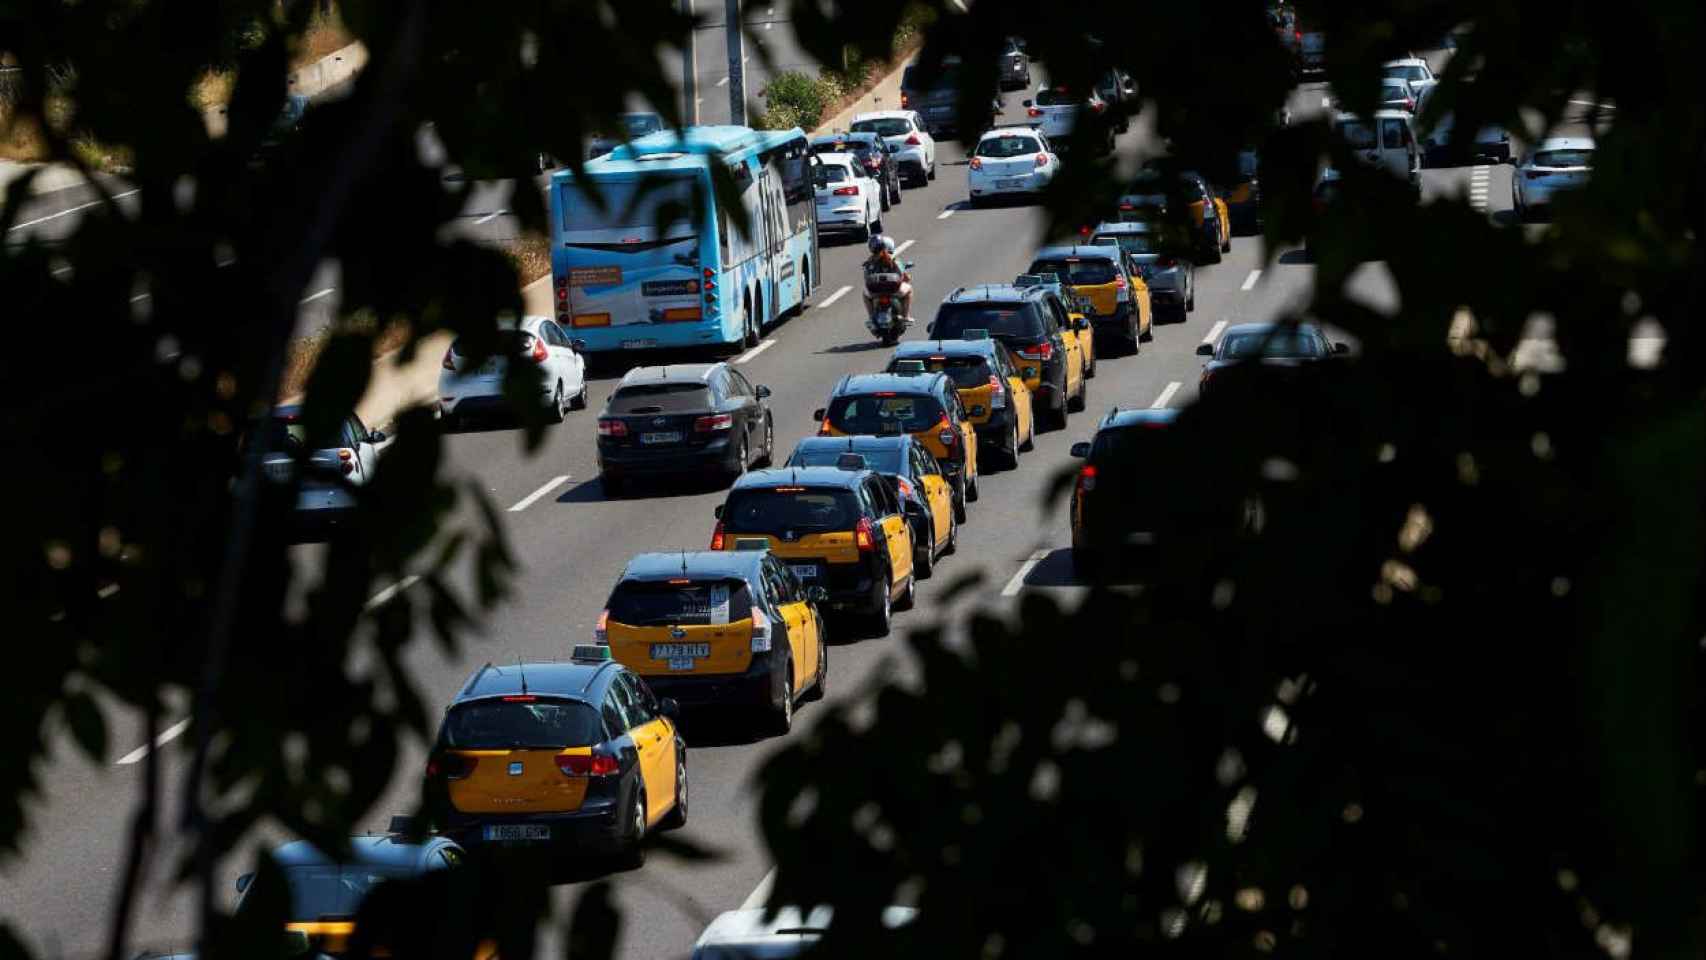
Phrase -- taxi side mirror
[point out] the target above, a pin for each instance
(761, 391)
(669, 708)
(1082, 323)
(978, 410)
(1205, 349)
(244, 881)
(1081, 450)
(818, 414)
(1340, 348)
(817, 594)
(717, 511)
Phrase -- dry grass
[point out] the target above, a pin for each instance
(304, 352)
(531, 255)
(20, 138)
(325, 35)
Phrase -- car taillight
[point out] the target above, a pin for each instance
(846, 191)
(863, 536)
(1042, 159)
(905, 100)
(587, 765)
(913, 141)
(346, 460)
(1535, 174)
(538, 353)
(450, 359)
(1128, 206)
(1297, 35)
(946, 432)
(601, 629)
(1033, 112)
(1041, 351)
(717, 536)
(976, 163)
(1098, 105)
(716, 421)
(612, 428)
(997, 393)
(1087, 478)
(905, 486)
(760, 631)
(1119, 281)
(451, 766)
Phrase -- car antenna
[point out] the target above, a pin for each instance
(684, 563)
(523, 671)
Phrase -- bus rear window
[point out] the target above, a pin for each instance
(642, 603)
(628, 204)
(539, 723)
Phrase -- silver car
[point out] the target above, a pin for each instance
(1556, 164)
(1172, 279)
(325, 495)
(1055, 112)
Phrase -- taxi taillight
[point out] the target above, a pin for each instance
(587, 765)
(717, 537)
(601, 629)
(451, 766)
(997, 393)
(760, 631)
(1087, 478)
(864, 536)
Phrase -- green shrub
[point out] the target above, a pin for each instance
(796, 94)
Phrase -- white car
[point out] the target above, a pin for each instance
(1556, 164)
(467, 390)
(1412, 69)
(848, 198)
(1386, 140)
(747, 935)
(914, 148)
(325, 501)
(1009, 160)
(1055, 112)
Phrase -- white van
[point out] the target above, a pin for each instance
(1387, 140)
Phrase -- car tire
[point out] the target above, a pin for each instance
(1082, 400)
(1190, 294)
(782, 714)
(895, 191)
(931, 173)
(864, 232)
(677, 816)
(972, 492)
(1211, 254)
(742, 460)
(820, 683)
(579, 400)
(953, 535)
(555, 413)
(1226, 245)
(769, 457)
(1010, 450)
(924, 560)
(959, 498)
(1146, 335)
(909, 599)
(633, 855)
(750, 337)
(883, 617)
(883, 198)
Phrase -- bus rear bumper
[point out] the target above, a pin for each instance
(652, 336)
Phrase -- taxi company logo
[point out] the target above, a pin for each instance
(790, 536)
(515, 769)
(659, 421)
(677, 633)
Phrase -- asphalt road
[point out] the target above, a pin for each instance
(571, 542)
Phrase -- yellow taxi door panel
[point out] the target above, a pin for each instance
(900, 546)
(802, 641)
(941, 505)
(517, 781)
(657, 765)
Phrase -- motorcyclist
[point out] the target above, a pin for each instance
(882, 260)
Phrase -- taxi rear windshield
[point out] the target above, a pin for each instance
(661, 398)
(882, 461)
(1018, 321)
(697, 603)
(321, 892)
(776, 511)
(966, 372)
(1564, 158)
(1134, 243)
(879, 415)
(516, 724)
(1093, 272)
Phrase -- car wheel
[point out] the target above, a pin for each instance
(883, 616)
(769, 456)
(782, 714)
(1226, 245)
(864, 231)
(1010, 450)
(1082, 400)
(876, 225)
(960, 502)
(579, 401)
(1191, 293)
(1147, 335)
(1211, 254)
(972, 492)
(634, 844)
(895, 191)
(750, 338)
(883, 199)
(924, 554)
(931, 173)
(742, 459)
(953, 535)
(677, 816)
(909, 599)
(555, 413)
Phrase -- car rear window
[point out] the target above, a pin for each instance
(328, 891)
(882, 461)
(1564, 158)
(947, 79)
(509, 341)
(1092, 271)
(827, 173)
(1008, 147)
(883, 126)
(966, 372)
(1135, 243)
(699, 602)
(776, 510)
(661, 398)
(884, 413)
(1058, 98)
(517, 723)
(1278, 343)
(1410, 72)
(1011, 320)
(1125, 450)
(1357, 135)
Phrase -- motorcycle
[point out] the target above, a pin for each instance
(881, 291)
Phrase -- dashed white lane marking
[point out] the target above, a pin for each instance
(107, 591)
(316, 295)
(533, 497)
(70, 210)
(1250, 281)
(837, 295)
(140, 297)
(760, 893)
(960, 5)
(488, 218)
(902, 248)
(945, 214)
(1326, 102)
(385, 596)
(165, 736)
(1166, 395)
(1214, 331)
(1590, 103)
(723, 82)
(755, 351)
(61, 271)
(1018, 582)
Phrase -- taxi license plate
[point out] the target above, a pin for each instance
(638, 344)
(660, 438)
(680, 651)
(1011, 182)
(805, 571)
(280, 471)
(681, 663)
(517, 831)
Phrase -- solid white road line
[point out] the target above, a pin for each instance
(1214, 331)
(1250, 281)
(945, 214)
(760, 893)
(1018, 582)
(837, 295)
(384, 596)
(533, 497)
(755, 351)
(1166, 395)
(67, 212)
(902, 248)
(316, 295)
(166, 736)
(488, 218)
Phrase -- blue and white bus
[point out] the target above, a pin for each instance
(622, 285)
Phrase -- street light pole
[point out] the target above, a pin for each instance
(737, 63)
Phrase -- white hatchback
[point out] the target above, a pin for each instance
(1056, 112)
(469, 390)
(848, 199)
(1009, 160)
(914, 148)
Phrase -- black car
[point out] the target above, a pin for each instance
(1014, 66)
(683, 418)
(1113, 509)
(905, 459)
(870, 150)
(1163, 194)
(1025, 320)
(937, 98)
(1258, 356)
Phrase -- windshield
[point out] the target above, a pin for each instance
(1134, 243)
(1564, 158)
(661, 398)
(640, 603)
(1012, 320)
(825, 174)
(1410, 72)
(1357, 135)
(1273, 343)
(884, 413)
(326, 891)
(799, 509)
(1125, 450)
(629, 204)
(513, 724)
(1008, 147)
(883, 461)
(640, 124)
(1079, 272)
(1057, 98)
(884, 127)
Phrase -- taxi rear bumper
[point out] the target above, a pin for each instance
(594, 829)
(754, 688)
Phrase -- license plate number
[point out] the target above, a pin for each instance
(517, 831)
(1011, 182)
(638, 344)
(680, 651)
(660, 438)
(805, 571)
(681, 663)
(281, 471)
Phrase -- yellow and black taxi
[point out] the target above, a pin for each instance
(573, 757)
(927, 498)
(1117, 294)
(1242, 195)
(1183, 197)
(995, 396)
(719, 628)
(840, 528)
(1041, 339)
(925, 405)
(1111, 508)
(325, 893)
(1078, 312)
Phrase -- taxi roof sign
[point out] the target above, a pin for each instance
(752, 543)
(908, 368)
(975, 333)
(589, 651)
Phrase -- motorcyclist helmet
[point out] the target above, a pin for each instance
(888, 245)
(877, 243)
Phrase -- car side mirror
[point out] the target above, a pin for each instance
(1026, 104)
(244, 881)
(1082, 323)
(818, 414)
(669, 708)
(1081, 449)
(1341, 348)
(717, 511)
(377, 436)
(1205, 349)
(817, 594)
(762, 391)
(978, 410)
